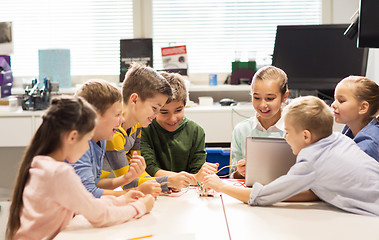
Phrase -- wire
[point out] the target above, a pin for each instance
(179, 194)
(224, 176)
(226, 220)
(239, 114)
(237, 182)
(232, 165)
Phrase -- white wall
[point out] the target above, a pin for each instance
(343, 9)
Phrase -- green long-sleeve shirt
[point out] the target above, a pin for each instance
(181, 150)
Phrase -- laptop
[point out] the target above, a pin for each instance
(267, 159)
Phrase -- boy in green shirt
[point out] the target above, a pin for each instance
(173, 143)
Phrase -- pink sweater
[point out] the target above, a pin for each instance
(54, 193)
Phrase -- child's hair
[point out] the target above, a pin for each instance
(144, 81)
(178, 87)
(100, 93)
(272, 73)
(310, 113)
(65, 114)
(365, 90)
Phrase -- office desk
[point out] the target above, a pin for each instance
(192, 217)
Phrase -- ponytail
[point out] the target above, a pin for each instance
(65, 114)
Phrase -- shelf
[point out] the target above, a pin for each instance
(193, 88)
(219, 88)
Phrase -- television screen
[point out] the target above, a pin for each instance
(317, 57)
(368, 28)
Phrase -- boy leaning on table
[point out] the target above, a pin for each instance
(330, 164)
(173, 144)
(106, 99)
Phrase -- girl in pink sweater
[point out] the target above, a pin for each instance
(48, 192)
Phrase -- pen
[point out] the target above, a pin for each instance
(147, 236)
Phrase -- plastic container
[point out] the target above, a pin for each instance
(212, 79)
(221, 156)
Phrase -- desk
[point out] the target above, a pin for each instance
(17, 128)
(192, 217)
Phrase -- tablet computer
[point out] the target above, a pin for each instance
(267, 159)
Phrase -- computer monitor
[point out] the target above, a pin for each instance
(317, 57)
(368, 29)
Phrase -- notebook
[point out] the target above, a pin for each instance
(267, 159)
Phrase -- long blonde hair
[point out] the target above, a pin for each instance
(65, 114)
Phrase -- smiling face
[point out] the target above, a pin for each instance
(171, 115)
(267, 99)
(345, 106)
(146, 111)
(108, 122)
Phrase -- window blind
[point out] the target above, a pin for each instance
(91, 29)
(214, 30)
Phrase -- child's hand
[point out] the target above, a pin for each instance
(214, 182)
(148, 200)
(150, 187)
(136, 167)
(133, 195)
(180, 180)
(206, 169)
(241, 167)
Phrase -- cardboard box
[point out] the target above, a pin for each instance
(174, 57)
(6, 90)
(8, 104)
(6, 77)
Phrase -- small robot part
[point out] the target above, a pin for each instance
(204, 192)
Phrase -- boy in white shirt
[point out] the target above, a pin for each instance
(330, 164)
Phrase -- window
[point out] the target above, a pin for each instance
(91, 29)
(214, 30)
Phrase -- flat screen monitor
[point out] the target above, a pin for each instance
(317, 57)
(368, 27)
